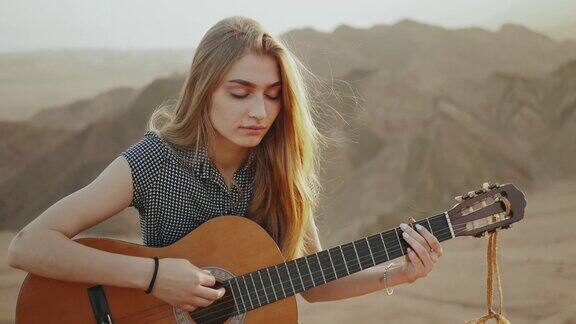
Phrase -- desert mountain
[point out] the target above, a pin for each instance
(79, 158)
(423, 113)
(428, 56)
(81, 113)
(505, 128)
(37, 80)
(21, 142)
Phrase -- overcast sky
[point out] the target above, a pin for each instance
(128, 24)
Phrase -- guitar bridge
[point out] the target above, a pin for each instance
(99, 305)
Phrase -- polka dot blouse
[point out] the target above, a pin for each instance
(177, 189)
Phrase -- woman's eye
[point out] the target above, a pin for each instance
(238, 96)
(246, 95)
(274, 98)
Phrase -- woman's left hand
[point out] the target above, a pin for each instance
(425, 252)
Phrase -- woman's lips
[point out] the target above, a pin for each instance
(253, 130)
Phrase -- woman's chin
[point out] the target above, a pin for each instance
(249, 142)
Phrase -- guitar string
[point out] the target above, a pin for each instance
(248, 294)
(208, 312)
(363, 258)
(456, 229)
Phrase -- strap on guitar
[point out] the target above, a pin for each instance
(492, 269)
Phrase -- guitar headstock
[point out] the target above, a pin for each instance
(486, 210)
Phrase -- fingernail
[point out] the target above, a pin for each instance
(405, 235)
(419, 227)
(403, 226)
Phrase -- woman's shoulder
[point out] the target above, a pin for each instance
(149, 153)
(151, 144)
(146, 158)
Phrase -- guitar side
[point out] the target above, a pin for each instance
(231, 243)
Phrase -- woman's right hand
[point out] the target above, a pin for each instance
(182, 284)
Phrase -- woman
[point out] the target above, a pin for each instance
(241, 140)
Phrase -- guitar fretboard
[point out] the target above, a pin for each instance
(267, 285)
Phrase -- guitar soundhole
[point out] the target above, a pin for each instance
(218, 312)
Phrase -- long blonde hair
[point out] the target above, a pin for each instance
(286, 185)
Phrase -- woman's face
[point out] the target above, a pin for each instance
(247, 101)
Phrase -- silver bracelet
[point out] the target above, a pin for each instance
(389, 291)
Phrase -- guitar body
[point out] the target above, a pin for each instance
(225, 244)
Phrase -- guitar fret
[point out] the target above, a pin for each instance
(343, 258)
(305, 275)
(294, 274)
(337, 260)
(290, 278)
(264, 286)
(363, 253)
(272, 282)
(350, 257)
(299, 276)
(390, 241)
(450, 224)
(441, 226)
(285, 278)
(377, 249)
(399, 242)
(242, 294)
(248, 292)
(430, 226)
(327, 266)
(280, 281)
(239, 293)
(370, 250)
(310, 271)
(315, 269)
(357, 256)
(320, 265)
(385, 248)
(333, 267)
(255, 290)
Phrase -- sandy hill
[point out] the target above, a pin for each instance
(21, 142)
(81, 113)
(38, 80)
(78, 159)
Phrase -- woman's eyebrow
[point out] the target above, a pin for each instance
(253, 85)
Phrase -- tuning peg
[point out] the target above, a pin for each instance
(479, 192)
(481, 234)
(507, 226)
(459, 198)
(485, 186)
(471, 193)
(494, 185)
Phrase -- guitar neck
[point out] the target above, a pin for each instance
(267, 285)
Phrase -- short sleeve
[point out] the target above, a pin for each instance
(146, 158)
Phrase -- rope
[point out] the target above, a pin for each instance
(492, 269)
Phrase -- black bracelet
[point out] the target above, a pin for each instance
(151, 285)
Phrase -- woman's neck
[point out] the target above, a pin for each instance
(227, 156)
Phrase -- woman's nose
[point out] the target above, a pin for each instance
(258, 108)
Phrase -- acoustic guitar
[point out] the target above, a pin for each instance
(260, 284)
